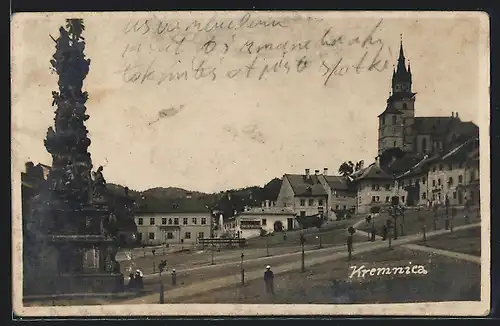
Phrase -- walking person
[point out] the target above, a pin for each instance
(139, 283)
(269, 280)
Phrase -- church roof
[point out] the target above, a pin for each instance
(432, 125)
(307, 187)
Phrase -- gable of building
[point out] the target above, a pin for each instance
(306, 186)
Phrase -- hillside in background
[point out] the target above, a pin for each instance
(227, 202)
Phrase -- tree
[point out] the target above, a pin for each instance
(346, 168)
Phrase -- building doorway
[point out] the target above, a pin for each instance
(278, 226)
(289, 224)
(460, 197)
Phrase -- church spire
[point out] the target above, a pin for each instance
(401, 78)
(401, 59)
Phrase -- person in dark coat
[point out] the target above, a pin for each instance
(384, 232)
(138, 279)
(269, 280)
(131, 281)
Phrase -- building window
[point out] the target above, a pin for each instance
(460, 179)
(383, 120)
(423, 180)
(424, 195)
(176, 221)
(302, 202)
(402, 199)
(336, 207)
(203, 220)
(163, 220)
(151, 235)
(201, 235)
(140, 221)
(433, 183)
(151, 221)
(311, 202)
(394, 144)
(387, 199)
(185, 221)
(194, 220)
(302, 213)
(170, 221)
(394, 119)
(454, 195)
(139, 237)
(374, 198)
(450, 181)
(439, 182)
(345, 207)
(170, 235)
(320, 202)
(264, 221)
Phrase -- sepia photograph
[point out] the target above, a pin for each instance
(250, 163)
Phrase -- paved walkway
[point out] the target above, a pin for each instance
(218, 283)
(447, 253)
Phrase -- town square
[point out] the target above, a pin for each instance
(393, 216)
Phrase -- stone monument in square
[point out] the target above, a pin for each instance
(70, 238)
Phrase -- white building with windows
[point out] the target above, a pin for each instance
(178, 222)
(251, 222)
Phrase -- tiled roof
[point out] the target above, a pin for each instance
(303, 186)
(275, 210)
(337, 182)
(419, 166)
(373, 171)
(172, 206)
(461, 152)
(433, 125)
(403, 164)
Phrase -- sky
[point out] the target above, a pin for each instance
(209, 102)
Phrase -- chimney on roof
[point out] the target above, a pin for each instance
(307, 173)
(456, 115)
(325, 171)
(316, 172)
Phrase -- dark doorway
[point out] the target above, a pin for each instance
(460, 197)
(290, 224)
(278, 226)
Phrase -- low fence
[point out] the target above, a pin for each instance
(220, 242)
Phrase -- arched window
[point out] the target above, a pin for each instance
(450, 181)
(424, 144)
(405, 106)
(394, 144)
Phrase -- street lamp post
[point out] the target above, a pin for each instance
(267, 246)
(389, 236)
(302, 242)
(161, 267)
(320, 243)
(213, 248)
(242, 270)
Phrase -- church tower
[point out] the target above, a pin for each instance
(395, 123)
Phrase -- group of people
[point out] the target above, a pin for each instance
(135, 281)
